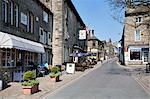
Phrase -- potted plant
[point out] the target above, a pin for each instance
(55, 74)
(30, 84)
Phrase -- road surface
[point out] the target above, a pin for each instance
(110, 81)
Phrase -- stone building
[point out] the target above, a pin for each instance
(95, 47)
(136, 35)
(66, 26)
(25, 36)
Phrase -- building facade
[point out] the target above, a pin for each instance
(95, 47)
(66, 26)
(25, 35)
(136, 35)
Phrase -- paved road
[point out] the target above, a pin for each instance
(107, 82)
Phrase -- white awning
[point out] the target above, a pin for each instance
(11, 41)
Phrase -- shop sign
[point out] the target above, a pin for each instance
(82, 34)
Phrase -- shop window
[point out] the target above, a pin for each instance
(8, 57)
(135, 55)
(29, 58)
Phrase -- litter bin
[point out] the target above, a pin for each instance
(59, 67)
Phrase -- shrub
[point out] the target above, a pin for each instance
(30, 83)
(55, 69)
(52, 75)
(29, 78)
(29, 75)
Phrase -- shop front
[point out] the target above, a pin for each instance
(18, 55)
(138, 55)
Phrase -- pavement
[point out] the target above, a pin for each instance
(14, 91)
(140, 75)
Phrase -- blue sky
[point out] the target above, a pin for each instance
(96, 14)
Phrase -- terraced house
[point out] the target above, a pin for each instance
(136, 34)
(25, 36)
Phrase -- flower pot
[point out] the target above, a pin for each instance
(27, 90)
(54, 79)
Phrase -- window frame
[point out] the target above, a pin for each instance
(5, 8)
(137, 59)
(8, 54)
(138, 19)
(16, 15)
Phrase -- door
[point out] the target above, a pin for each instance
(145, 57)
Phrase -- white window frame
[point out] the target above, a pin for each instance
(136, 35)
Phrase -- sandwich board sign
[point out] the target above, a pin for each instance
(70, 68)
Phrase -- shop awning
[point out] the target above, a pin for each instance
(11, 41)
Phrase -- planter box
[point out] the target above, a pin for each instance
(28, 90)
(54, 79)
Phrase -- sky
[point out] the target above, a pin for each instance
(97, 15)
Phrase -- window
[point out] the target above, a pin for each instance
(24, 19)
(137, 35)
(16, 15)
(94, 43)
(49, 38)
(45, 37)
(45, 16)
(29, 58)
(30, 27)
(8, 57)
(41, 35)
(5, 11)
(138, 19)
(135, 55)
(11, 12)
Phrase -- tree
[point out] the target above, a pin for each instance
(119, 7)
